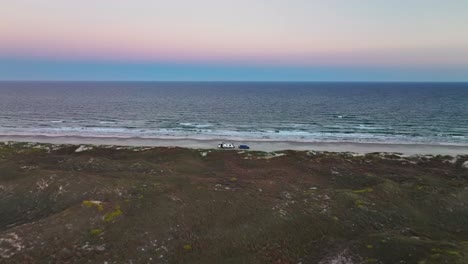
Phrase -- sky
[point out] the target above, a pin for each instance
(242, 40)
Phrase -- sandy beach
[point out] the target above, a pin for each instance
(267, 146)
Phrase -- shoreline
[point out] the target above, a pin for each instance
(267, 146)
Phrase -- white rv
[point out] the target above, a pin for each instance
(226, 146)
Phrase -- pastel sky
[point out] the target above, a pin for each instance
(241, 40)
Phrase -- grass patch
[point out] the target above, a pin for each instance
(91, 204)
(187, 247)
(96, 232)
(366, 190)
(114, 214)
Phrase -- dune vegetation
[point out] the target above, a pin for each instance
(109, 204)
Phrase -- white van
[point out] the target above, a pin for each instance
(226, 146)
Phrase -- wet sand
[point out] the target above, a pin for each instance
(268, 146)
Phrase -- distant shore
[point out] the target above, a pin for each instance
(268, 146)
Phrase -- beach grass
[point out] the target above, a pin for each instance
(176, 205)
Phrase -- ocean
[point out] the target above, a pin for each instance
(421, 113)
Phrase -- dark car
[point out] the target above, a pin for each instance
(244, 147)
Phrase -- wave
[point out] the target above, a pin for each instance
(233, 134)
(369, 127)
(195, 125)
(107, 122)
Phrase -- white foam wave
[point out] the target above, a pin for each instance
(107, 122)
(196, 125)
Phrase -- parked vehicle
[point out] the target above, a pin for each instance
(226, 146)
(244, 147)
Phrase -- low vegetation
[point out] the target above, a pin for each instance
(173, 205)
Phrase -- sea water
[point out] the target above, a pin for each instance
(425, 113)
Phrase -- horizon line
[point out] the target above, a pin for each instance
(238, 81)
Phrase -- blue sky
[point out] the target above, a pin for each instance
(243, 40)
(65, 70)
